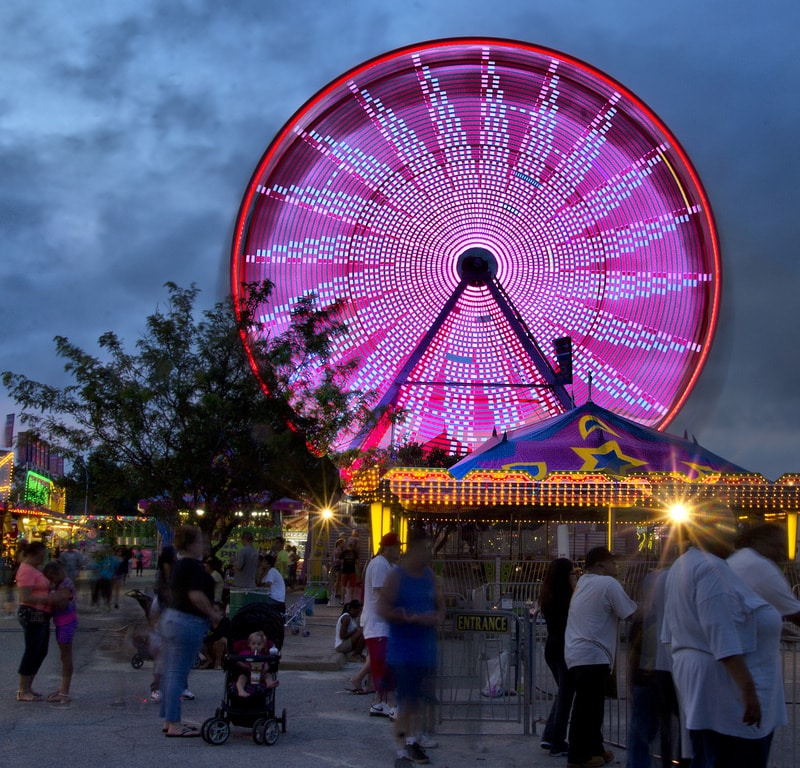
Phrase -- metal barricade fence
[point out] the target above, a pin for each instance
(785, 751)
(481, 676)
(504, 587)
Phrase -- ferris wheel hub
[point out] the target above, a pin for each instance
(477, 266)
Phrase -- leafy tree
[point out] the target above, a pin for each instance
(183, 421)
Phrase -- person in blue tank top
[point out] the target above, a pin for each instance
(412, 604)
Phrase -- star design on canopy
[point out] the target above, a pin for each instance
(608, 457)
(590, 423)
(701, 470)
(536, 469)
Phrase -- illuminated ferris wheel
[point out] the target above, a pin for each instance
(477, 202)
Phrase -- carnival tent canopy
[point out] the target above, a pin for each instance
(593, 439)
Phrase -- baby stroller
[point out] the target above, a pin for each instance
(141, 639)
(256, 711)
(296, 615)
(148, 642)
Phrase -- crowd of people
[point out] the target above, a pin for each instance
(188, 610)
(704, 648)
(703, 639)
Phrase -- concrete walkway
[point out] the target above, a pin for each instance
(112, 719)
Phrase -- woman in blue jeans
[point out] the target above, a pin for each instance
(184, 625)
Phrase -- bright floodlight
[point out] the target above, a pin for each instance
(327, 513)
(679, 513)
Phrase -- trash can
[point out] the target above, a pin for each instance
(242, 597)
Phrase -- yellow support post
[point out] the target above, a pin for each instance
(611, 521)
(791, 534)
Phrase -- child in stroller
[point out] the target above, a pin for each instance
(255, 677)
(250, 677)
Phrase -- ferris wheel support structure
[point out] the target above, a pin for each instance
(476, 266)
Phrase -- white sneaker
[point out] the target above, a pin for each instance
(427, 742)
(381, 709)
(187, 695)
(155, 695)
(393, 713)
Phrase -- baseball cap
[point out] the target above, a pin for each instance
(389, 539)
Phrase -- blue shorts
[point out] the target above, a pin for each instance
(414, 684)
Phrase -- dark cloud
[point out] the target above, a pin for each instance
(129, 130)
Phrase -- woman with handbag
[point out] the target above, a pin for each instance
(36, 604)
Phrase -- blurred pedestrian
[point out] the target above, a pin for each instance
(72, 560)
(376, 628)
(105, 567)
(36, 605)
(758, 563)
(654, 702)
(164, 565)
(590, 644)
(184, 625)
(725, 643)
(65, 619)
(245, 563)
(122, 555)
(411, 602)
(556, 591)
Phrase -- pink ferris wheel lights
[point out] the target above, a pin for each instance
(596, 226)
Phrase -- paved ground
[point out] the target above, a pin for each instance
(112, 720)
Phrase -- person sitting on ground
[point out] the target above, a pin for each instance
(255, 677)
(274, 582)
(349, 638)
(215, 643)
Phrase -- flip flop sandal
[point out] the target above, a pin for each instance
(186, 732)
(59, 698)
(28, 696)
(184, 725)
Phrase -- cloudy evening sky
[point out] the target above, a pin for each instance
(128, 131)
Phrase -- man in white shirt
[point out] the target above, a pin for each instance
(758, 564)
(376, 628)
(274, 582)
(590, 643)
(725, 644)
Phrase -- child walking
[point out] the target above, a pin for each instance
(66, 622)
